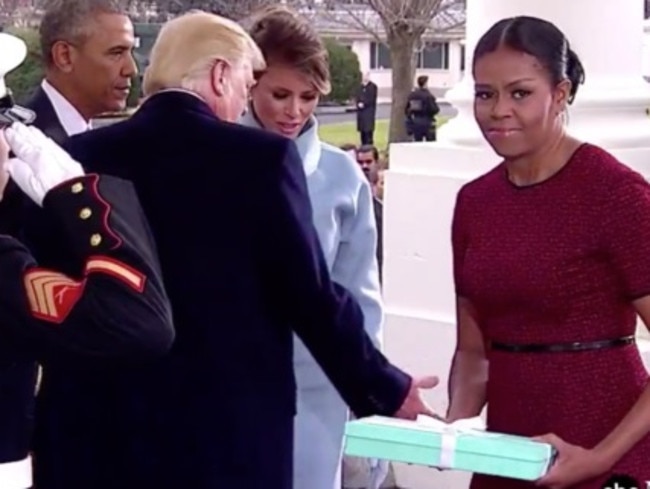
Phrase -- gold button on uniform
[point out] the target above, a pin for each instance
(95, 240)
(77, 188)
(85, 213)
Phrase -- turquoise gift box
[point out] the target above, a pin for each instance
(457, 446)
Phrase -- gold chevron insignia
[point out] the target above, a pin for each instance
(118, 270)
(51, 295)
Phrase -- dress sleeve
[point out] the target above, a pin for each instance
(626, 220)
(458, 242)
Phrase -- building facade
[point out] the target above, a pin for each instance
(440, 56)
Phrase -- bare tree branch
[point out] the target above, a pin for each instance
(379, 18)
(17, 12)
(354, 17)
(234, 9)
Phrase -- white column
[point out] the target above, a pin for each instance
(609, 108)
(424, 178)
(455, 62)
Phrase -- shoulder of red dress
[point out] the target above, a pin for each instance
(600, 162)
(486, 181)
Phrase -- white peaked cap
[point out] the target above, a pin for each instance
(13, 52)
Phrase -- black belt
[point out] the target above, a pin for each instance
(563, 347)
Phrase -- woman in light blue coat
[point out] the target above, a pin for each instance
(283, 101)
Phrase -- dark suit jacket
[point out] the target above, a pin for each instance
(13, 202)
(367, 94)
(46, 117)
(230, 212)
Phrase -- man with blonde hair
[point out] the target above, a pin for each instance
(242, 274)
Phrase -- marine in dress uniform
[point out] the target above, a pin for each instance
(115, 308)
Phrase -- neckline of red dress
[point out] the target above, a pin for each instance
(554, 176)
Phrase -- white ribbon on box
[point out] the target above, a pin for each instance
(449, 435)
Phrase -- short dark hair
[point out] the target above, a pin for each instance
(538, 38)
(422, 81)
(369, 148)
(67, 20)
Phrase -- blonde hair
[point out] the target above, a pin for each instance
(188, 46)
(286, 37)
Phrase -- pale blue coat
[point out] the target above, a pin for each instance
(344, 218)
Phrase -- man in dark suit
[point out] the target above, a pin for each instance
(115, 311)
(218, 411)
(366, 101)
(87, 46)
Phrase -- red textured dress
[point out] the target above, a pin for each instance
(555, 262)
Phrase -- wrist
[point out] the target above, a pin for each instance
(604, 456)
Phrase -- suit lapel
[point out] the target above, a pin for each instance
(46, 117)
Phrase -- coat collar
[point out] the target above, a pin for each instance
(308, 142)
(175, 100)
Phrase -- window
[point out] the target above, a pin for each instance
(434, 56)
(379, 56)
(462, 58)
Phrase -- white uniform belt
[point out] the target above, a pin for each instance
(16, 475)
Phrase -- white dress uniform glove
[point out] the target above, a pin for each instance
(40, 164)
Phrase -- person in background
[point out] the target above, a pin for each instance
(366, 105)
(552, 266)
(421, 111)
(368, 160)
(379, 186)
(87, 48)
(218, 410)
(87, 51)
(283, 101)
(367, 157)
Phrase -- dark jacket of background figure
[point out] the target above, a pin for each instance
(379, 219)
(367, 95)
(421, 109)
(229, 210)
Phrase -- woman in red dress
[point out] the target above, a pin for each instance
(552, 266)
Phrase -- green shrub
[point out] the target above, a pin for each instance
(27, 77)
(344, 71)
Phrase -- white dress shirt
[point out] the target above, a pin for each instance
(70, 118)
